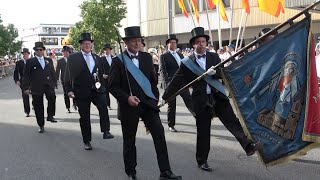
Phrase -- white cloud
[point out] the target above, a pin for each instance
(30, 13)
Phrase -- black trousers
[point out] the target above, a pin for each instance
(224, 112)
(172, 107)
(99, 100)
(66, 97)
(26, 102)
(108, 98)
(129, 124)
(39, 107)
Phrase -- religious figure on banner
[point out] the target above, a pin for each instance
(287, 100)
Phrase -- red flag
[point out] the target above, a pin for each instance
(312, 122)
(246, 6)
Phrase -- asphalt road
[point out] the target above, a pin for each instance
(59, 154)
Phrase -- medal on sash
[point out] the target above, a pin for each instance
(96, 78)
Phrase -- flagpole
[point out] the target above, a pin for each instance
(221, 64)
(210, 34)
(194, 23)
(239, 30)
(231, 22)
(219, 25)
(244, 29)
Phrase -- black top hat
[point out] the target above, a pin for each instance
(38, 45)
(66, 48)
(266, 30)
(172, 37)
(25, 50)
(85, 37)
(198, 32)
(132, 32)
(107, 46)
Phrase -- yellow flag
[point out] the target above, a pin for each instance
(273, 7)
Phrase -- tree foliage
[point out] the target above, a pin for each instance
(100, 18)
(8, 42)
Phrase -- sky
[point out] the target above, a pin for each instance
(30, 13)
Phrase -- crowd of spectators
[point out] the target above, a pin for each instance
(6, 66)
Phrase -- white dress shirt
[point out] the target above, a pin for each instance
(41, 61)
(176, 56)
(24, 61)
(92, 63)
(109, 59)
(134, 60)
(202, 63)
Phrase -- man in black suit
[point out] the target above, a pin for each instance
(206, 99)
(106, 61)
(134, 85)
(17, 76)
(83, 82)
(169, 64)
(39, 78)
(61, 67)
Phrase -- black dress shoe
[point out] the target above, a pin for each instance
(132, 177)
(87, 146)
(107, 135)
(68, 110)
(205, 166)
(168, 174)
(172, 129)
(27, 115)
(253, 147)
(41, 130)
(51, 119)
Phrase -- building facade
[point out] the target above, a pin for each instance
(50, 34)
(153, 17)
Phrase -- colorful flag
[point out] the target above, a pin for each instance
(246, 6)
(271, 87)
(273, 7)
(66, 39)
(195, 9)
(183, 8)
(211, 4)
(222, 11)
(312, 124)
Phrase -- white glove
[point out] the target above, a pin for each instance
(211, 71)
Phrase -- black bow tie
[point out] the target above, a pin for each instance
(133, 57)
(201, 56)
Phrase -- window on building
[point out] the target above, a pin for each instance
(64, 30)
(50, 41)
(200, 3)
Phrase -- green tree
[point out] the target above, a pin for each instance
(101, 18)
(8, 42)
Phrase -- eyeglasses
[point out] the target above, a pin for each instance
(39, 49)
